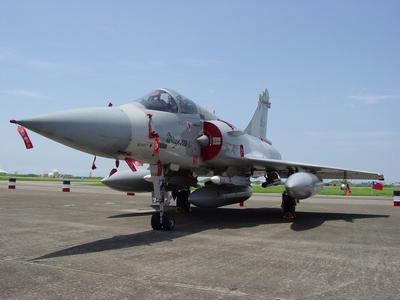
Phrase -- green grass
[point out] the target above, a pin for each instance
(328, 190)
(89, 180)
(360, 191)
(355, 191)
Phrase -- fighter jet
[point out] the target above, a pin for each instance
(181, 141)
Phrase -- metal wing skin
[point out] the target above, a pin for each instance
(286, 168)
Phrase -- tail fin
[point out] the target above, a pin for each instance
(258, 124)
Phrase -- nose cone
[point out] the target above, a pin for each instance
(101, 131)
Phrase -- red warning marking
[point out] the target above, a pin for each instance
(156, 145)
(215, 136)
(241, 151)
(94, 163)
(159, 168)
(22, 132)
(137, 163)
(152, 133)
(131, 163)
(195, 159)
(113, 171)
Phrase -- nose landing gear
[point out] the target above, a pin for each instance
(161, 218)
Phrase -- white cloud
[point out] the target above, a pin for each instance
(343, 141)
(23, 93)
(43, 64)
(201, 62)
(372, 99)
(6, 54)
(149, 65)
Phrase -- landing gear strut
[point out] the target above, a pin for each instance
(288, 206)
(161, 218)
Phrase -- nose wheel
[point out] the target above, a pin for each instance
(161, 219)
(166, 221)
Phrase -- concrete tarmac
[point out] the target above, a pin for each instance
(95, 243)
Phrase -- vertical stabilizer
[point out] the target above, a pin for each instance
(258, 124)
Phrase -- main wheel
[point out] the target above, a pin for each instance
(155, 221)
(168, 221)
(289, 204)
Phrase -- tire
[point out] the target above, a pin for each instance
(168, 221)
(289, 204)
(155, 221)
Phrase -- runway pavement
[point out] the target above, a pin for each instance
(95, 243)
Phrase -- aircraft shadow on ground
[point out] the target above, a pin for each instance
(203, 219)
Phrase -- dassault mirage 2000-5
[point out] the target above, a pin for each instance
(181, 141)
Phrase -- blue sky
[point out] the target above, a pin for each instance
(332, 69)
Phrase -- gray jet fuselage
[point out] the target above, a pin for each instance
(130, 130)
(180, 141)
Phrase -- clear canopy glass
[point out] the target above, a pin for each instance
(168, 101)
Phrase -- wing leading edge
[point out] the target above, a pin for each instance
(286, 168)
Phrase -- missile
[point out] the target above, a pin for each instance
(236, 180)
(303, 185)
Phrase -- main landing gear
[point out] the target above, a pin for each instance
(182, 201)
(288, 206)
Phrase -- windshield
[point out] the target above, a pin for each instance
(169, 101)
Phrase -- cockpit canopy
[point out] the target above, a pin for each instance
(168, 101)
